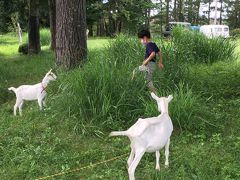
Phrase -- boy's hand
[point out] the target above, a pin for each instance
(145, 63)
(160, 65)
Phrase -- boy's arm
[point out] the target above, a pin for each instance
(160, 64)
(152, 55)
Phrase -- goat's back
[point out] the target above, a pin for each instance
(155, 133)
(30, 92)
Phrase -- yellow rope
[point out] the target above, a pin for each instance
(78, 169)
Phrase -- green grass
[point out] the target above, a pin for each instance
(193, 46)
(204, 145)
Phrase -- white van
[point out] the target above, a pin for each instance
(212, 31)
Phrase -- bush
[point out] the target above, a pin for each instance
(23, 48)
(194, 47)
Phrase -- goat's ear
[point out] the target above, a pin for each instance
(169, 98)
(49, 71)
(154, 96)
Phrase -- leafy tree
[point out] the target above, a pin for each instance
(233, 13)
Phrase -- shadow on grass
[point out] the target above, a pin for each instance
(19, 56)
(2, 43)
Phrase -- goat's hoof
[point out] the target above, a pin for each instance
(166, 166)
(157, 168)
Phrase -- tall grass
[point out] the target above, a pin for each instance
(194, 47)
(102, 96)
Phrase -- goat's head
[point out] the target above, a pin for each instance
(50, 76)
(162, 102)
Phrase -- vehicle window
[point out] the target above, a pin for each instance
(226, 29)
(218, 29)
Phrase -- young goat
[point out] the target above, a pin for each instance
(32, 92)
(149, 135)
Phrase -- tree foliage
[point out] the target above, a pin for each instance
(110, 17)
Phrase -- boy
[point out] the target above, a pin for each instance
(150, 57)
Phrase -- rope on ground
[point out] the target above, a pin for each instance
(81, 168)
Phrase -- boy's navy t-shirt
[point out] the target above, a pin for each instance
(150, 47)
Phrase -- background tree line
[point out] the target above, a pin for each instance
(110, 17)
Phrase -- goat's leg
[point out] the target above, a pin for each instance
(15, 109)
(135, 162)
(130, 159)
(157, 160)
(44, 102)
(40, 103)
(20, 108)
(18, 102)
(167, 153)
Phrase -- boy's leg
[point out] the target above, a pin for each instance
(148, 76)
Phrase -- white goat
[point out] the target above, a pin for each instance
(149, 135)
(32, 92)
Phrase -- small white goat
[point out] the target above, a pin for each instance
(32, 92)
(149, 135)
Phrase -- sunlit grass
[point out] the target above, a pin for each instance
(95, 43)
(9, 43)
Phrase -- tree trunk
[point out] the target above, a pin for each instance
(221, 11)
(190, 11)
(111, 25)
(71, 43)
(167, 11)
(34, 46)
(102, 27)
(118, 26)
(198, 9)
(90, 30)
(161, 15)
(180, 11)
(52, 18)
(147, 20)
(175, 11)
(19, 30)
(209, 10)
(98, 30)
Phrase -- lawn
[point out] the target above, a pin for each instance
(39, 144)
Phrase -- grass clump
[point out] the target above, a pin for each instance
(23, 48)
(194, 47)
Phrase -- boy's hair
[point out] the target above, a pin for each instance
(143, 33)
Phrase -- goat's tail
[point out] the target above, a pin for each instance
(118, 133)
(12, 89)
